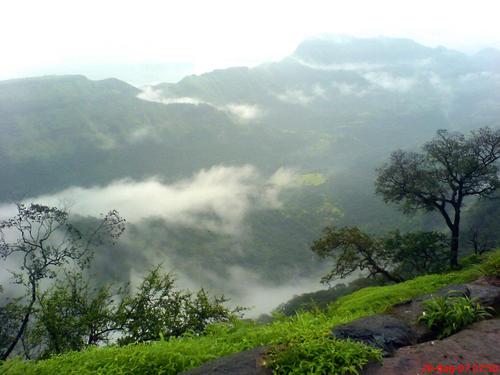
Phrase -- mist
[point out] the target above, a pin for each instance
(215, 202)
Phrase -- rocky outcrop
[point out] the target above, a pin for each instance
(397, 333)
(474, 346)
(382, 331)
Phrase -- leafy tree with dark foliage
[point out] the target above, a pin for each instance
(451, 168)
(417, 253)
(354, 250)
(43, 241)
(395, 256)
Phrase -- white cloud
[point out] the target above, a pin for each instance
(301, 96)
(241, 112)
(151, 94)
(390, 82)
(318, 91)
(349, 89)
(281, 179)
(295, 96)
(56, 31)
(353, 66)
(140, 133)
(247, 289)
(217, 198)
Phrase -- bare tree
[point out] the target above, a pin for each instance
(479, 241)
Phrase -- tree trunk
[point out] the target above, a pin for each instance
(454, 248)
(455, 235)
(22, 328)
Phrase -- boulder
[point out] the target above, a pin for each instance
(382, 331)
(248, 362)
(486, 294)
(453, 290)
(410, 311)
(476, 344)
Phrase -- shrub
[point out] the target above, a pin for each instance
(324, 355)
(448, 315)
(491, 267)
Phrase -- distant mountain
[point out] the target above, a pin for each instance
(337, 105)
(342, 50)
(335, 108)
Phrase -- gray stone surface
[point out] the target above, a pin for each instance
(487, 295)
(478, 344)
(382, 331)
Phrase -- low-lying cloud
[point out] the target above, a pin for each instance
(301, 96)
(151, 94)
(390, 82)
(244, 112)
(348, 89)
(241, 112)
(217, 198)
(352, 66)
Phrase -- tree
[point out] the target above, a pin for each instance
(43, 242)
(395, 256)
(451, 168)
(71, 315)
(158, 309)
(417, 253)
(354, 250)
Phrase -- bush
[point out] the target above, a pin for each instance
(324, 355)
(491, 267)
(448, 315)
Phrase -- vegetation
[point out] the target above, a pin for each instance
(44, 243)
(158, 309)
(395, 257)
(447, 315)
(491, 267)
(320, 299)
(299, 342)
(70, 314)
(452, 168)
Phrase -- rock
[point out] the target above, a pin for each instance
(410, 311)
(248, 362)
(477, 344)
(382, 331)
(454, 290)
(488, 280)
(487, 295)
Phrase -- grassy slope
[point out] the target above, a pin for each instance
(308, 347)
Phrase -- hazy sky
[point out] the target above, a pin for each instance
(53, 36)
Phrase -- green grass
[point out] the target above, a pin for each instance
(301, 344)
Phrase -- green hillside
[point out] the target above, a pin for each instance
(302, 343)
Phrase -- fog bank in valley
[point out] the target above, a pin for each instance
(216, 200)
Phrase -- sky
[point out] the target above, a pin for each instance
(102, 38)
